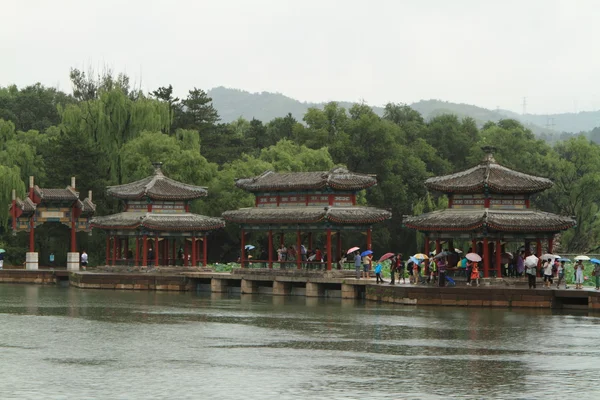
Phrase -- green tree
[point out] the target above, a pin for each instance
(111, 120)
(197, 112)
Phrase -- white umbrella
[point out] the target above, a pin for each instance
(582, 258)
(473, 257)
(531, 261)
(549, 257)
(459, 251)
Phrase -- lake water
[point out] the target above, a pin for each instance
(67, 343)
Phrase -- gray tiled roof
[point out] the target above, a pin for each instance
(67, 194)
(157, 187)
(499, 220)
(158, 221)
(306, 215)
(490, 174)
(337, 179)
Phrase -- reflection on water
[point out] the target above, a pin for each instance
(71, 343)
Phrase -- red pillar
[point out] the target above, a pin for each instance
(486, 258)
(538, 253)
(473, 246)
(205, 250)
(145, 251)
(73, 233)
(107, 248)
(137, 251)
(329, 253)
(31, 235)
(243, 247)
(339, 245)
(438, 246)
(156, 250)
(498, 259)
(185, 252)
(550, 245)
(270, 235)
(298, 251)
(174, 252)
(426, 244)
(194, 263)
(368, 238)
(114, 255)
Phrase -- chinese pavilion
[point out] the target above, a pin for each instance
(489, 203)
(51, 205)
(306, 202)
(157, 214)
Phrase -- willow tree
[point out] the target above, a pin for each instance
(10, 178)
(113, 119)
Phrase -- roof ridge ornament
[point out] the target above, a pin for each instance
(157, 167)
(489, 153)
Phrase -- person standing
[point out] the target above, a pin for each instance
(579, 275)
(393, 270)
(378, 273)
(548, 265)
(357, 263)
(415, 273)
(342, 260)
(596, 274)
(400, 268)
(520, 264)
(51, 259)
(441, 267)
(469, 270)
(84, 260)
(561, 275)
(474, 274)
(531, 276)
(365, 263)
(2, 260)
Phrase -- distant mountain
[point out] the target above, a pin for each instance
(234, 103)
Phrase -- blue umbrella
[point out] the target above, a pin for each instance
(415, 260)
(595, 261)
(564, 259)
(366, 253)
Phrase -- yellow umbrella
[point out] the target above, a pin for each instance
(421, 256)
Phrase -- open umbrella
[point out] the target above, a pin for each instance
(549, 257)
(249, 247)
(459, 251)
(442, 254)
(366, 253)
(506, 257)
(562, 259)
(473, 257)
(352, 250)
(415, 260)
(582, 258)
(2, 251)
(421, 256)
(531, 261)
(386, 256)
(595, 261)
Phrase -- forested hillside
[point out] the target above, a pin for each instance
(106, 133)
(234, 103)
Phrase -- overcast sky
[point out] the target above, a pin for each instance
(487, 53)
